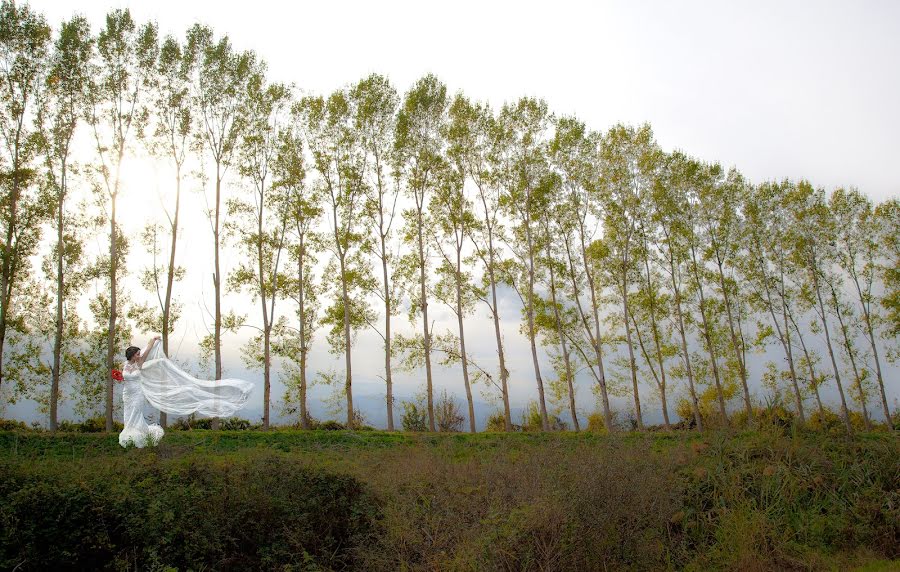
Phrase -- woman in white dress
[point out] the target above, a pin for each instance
(151, 377)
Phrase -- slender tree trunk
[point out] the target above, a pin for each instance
(348, 382)
(389, 385)
(170, 277)
(845, 411)
(529, 310)
(562, 341)
(504, 373)
(798, 399)
(462, 341)
(111, 335)
(784, 337)
(595, 338)
(632, 362)
(870, 331)
(304, 414)
(425, 329)
(709, 342)
(658, 345)
(267, 327)
(851, 354)
(217, 285)
(810, 367)
(676, 291)
(60, 297)
(748, 406)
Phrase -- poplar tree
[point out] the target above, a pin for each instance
(62, 106)
(419, 145)
(117, 107)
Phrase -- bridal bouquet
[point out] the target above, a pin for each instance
(116, 375)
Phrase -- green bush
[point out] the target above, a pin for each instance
(415, 417)
(249, 513)
(90, 425)
(13, 425)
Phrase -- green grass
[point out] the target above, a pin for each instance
(752, 500)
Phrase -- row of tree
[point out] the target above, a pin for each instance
(631, 264)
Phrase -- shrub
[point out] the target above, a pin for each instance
(257, 512)
(91, 425)
(414, 418)
(331, 425)
(13, 425)
(531, 419)
(447, 413)
(496, 423)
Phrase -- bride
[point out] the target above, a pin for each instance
(151, 377)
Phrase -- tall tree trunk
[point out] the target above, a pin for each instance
(709, 341)
(562, 342)
(60, 297)
(217, 284)
(462, 341)
(810, 367)
(529, 309)
(348, 380)
(845, 411)
(267, 319)
(504, 373)
(425, 329)
(170, 277)
(658, 345)
(389, 384)
(111, 335)
(304, 414)
(870, 331)
(851, 354)
(595, 338)
(632, 362)
(676, 291)
(784, 336)
(748, 406)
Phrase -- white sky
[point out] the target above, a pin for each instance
(777, 89)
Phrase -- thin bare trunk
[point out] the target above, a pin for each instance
(676, 291)
(462, 343)
(784, 336)
(657, 344)
(562, 340)
(389, 385)
(529, 309)
(426, 333)
(348, 380)
(845, 412)
(738, 353)
(301, 299)
(217, 285)
(709, 342)
(60, 296)
(810, 366)
(595, 337)
(111, 335)
(870, 331)
(848, 346)
(170, 276)
(632, 362)
(504, 373)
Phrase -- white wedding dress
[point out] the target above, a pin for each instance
(169, 389)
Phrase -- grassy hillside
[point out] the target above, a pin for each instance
(294, 500)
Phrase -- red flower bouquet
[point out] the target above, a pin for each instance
(116, 375)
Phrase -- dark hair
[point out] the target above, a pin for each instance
(129, 353)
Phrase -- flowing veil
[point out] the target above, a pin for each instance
(170, 389)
